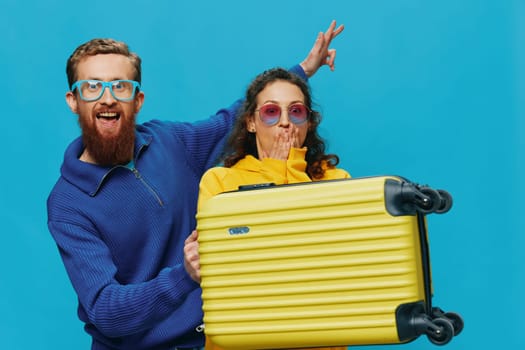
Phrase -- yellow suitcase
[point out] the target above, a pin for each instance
(338, 262)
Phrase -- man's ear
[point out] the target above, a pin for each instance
(71, 100)
(139, 101)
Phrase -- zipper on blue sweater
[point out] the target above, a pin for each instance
(139, 176)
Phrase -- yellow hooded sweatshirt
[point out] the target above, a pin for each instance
(251, 171)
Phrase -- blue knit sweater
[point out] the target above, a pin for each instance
(120, 232)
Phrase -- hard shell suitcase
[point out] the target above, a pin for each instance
(337, 262)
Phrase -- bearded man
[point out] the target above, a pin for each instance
(126, 198)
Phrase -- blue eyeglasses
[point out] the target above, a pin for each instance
(92, 90)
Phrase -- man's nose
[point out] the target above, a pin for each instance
(107, 96)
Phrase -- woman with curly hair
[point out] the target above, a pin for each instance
(274, 140)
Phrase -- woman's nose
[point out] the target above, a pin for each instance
(284, 120)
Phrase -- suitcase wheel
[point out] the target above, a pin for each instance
(407, 198)
(441, 331)
(454, 318)
(428, 200)
(457, 321)
(445, 202)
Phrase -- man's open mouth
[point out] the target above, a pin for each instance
(108, 115)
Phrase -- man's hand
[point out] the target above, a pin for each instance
(320, 54)
(191, 257)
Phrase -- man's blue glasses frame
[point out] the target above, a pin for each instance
(104, 85)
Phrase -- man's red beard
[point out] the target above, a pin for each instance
(109, 150)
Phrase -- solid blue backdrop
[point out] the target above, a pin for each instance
(432, 91)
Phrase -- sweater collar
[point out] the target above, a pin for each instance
(90, 177)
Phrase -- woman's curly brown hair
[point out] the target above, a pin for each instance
(241, 142)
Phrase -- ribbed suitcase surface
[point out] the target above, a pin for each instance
(307, 265)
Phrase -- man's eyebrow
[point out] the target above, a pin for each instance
(112, 79)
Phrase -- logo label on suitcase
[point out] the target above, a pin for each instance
(239, 230)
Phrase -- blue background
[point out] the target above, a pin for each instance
(430, 90)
